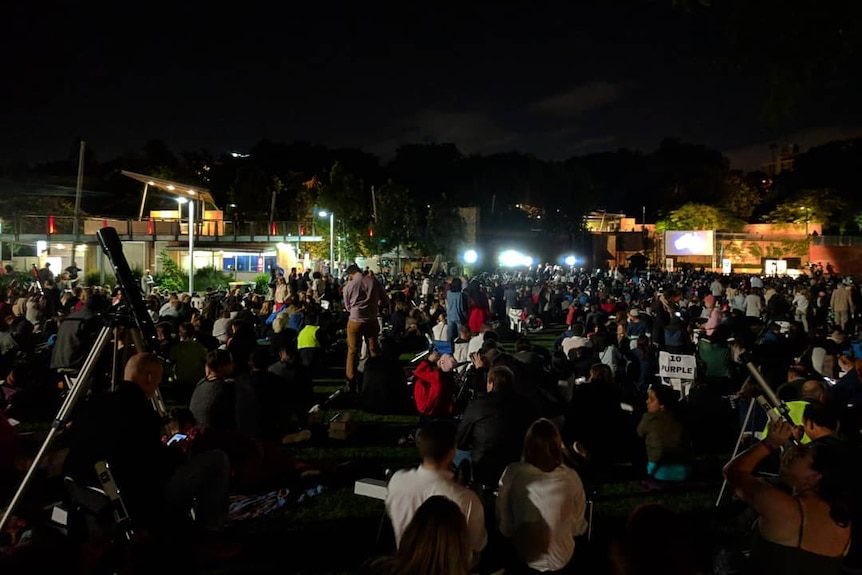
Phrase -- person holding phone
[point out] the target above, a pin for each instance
(160, 484)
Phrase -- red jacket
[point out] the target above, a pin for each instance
(432, 391)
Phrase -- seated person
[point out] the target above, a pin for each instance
(636, 326)
(848, 389)
(297, 389)
(159, 483)
(803, 525)
(461, 345)
(410, 488)
(311, 341)
(540, 490)
(212, 401)
(440, 520)
(812, 391)
(434, 389)
(666, 436)
(493, 424)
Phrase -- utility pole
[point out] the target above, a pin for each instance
(79, 187)
(272, 212)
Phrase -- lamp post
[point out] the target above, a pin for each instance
(323, 214)
(191, 204)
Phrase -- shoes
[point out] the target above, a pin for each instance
(297, 437)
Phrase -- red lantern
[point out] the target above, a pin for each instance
(51, 224)
(273, 229)
(150, 227)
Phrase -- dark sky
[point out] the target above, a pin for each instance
(554, 81)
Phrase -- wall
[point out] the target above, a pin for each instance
(845, 259)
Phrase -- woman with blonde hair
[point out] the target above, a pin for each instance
(541, 503)
(436, 542)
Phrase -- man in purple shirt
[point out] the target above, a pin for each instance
(363, 297)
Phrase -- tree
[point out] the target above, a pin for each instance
(741, 198)
(699, 217)
(345, 194)
(396, 217)
(684, 172)
(817, 206)
(172, 278)
(443, 229)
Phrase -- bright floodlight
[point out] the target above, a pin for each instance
(182, 200)
(511, 259)
(570, 261)
(322, 213)
(470, 256)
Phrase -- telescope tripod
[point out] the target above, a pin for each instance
(77, 389)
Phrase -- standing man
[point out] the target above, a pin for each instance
(363, 298)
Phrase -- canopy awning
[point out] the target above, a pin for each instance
(177, 189)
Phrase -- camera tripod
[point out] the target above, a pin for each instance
(144, 329)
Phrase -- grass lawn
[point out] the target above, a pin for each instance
(334, 532)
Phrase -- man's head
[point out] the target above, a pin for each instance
(819, 420)
(352, 270)
(436, 442)
(500, 377)
(813, 390)
(144, 370)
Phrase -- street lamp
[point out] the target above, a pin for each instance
(191, 204)
(323, 214)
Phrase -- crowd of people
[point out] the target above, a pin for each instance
(498, 418)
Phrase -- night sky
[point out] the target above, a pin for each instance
(553, 81)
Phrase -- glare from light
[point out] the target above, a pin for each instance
(470, 256)
(170, 187)
(182, 200)
(322, 213)
(151, 183)
(513, 259)
(570, 261)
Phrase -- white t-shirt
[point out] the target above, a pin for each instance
(475, 344)
(753, 305)
(530, 497)
(409, 488)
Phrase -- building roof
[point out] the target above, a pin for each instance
(177, 189)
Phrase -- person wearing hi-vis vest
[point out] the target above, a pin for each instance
(309, 342)
(812, 391)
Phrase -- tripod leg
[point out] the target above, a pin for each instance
(736, 447)
(81, 383)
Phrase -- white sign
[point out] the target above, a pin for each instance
(725, 266)
(676, 366)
